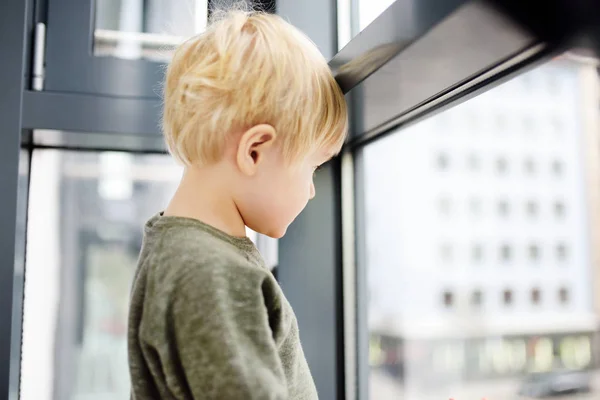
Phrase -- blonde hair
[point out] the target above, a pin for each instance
(250, 68)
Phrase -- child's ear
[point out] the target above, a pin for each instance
(252, 147)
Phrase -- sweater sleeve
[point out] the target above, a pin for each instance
(220, 328)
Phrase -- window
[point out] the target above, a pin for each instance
(501, 165)
(20, 239)
(506, 302)
(528, 124)
(532, 208)
(475, 206)
(557, 125)
(473, 162)
(503, 208)
(507, 297)
(477, 298)
(559, 209)
(477, 253)
(561, 252)
(563, 296)
(442, 161)
(446, 253)
(445, 206)
(149, 29)
(505, 253)
(557, 168)
(536, 296)
(534, 252)
(448, 299)
(86, 214)
(529, 166)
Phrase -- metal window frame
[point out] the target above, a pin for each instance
(14, 28)
(562, 26)
(313, 280)
(72, 67)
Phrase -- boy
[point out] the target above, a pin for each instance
(251, 110)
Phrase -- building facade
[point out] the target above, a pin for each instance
(479, 242)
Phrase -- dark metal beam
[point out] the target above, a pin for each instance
(14, 31)
(421, 57)
(417, 55)
(88, 113)
(310, 259)
(310, 274)
(404, 22)
(565, 23)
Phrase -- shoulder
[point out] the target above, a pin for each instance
(188, 258)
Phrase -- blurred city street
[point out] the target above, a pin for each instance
(385, 387)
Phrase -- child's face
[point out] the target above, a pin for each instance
(279, 192)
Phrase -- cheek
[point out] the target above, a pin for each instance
(293, 195)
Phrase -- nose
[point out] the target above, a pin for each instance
(312, 191)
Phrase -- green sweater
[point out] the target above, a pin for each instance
(208, 320)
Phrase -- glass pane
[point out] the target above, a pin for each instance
(149, 29)
(369, 10)
(22, 188)
(481, 236)
(86, 217)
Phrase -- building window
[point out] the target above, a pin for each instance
(528, 124)
(448, 299)
(473, 162)
(443, 161)
(477, 298)
(536, 296)
(477, 253)
(446, 252)
(561, 252)
(475, 206)
(501, 165)
(559, 209)
(534, 252)
(445, 206)
(529, 166)
(557, 125)
(557, 167)
(532, 209)
(505, 253)
(503, 208)
(563, 296)
(507, 297)
(501, 123)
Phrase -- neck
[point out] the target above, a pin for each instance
(202, 195)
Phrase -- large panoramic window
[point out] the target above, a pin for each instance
(479, 233)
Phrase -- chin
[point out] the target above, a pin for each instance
(275, 233)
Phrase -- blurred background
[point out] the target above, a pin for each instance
(462, 262)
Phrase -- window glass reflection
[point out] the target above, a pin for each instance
(85, 223)
(514, 314)
(86, 216)
(22, 189)
(149, 29)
